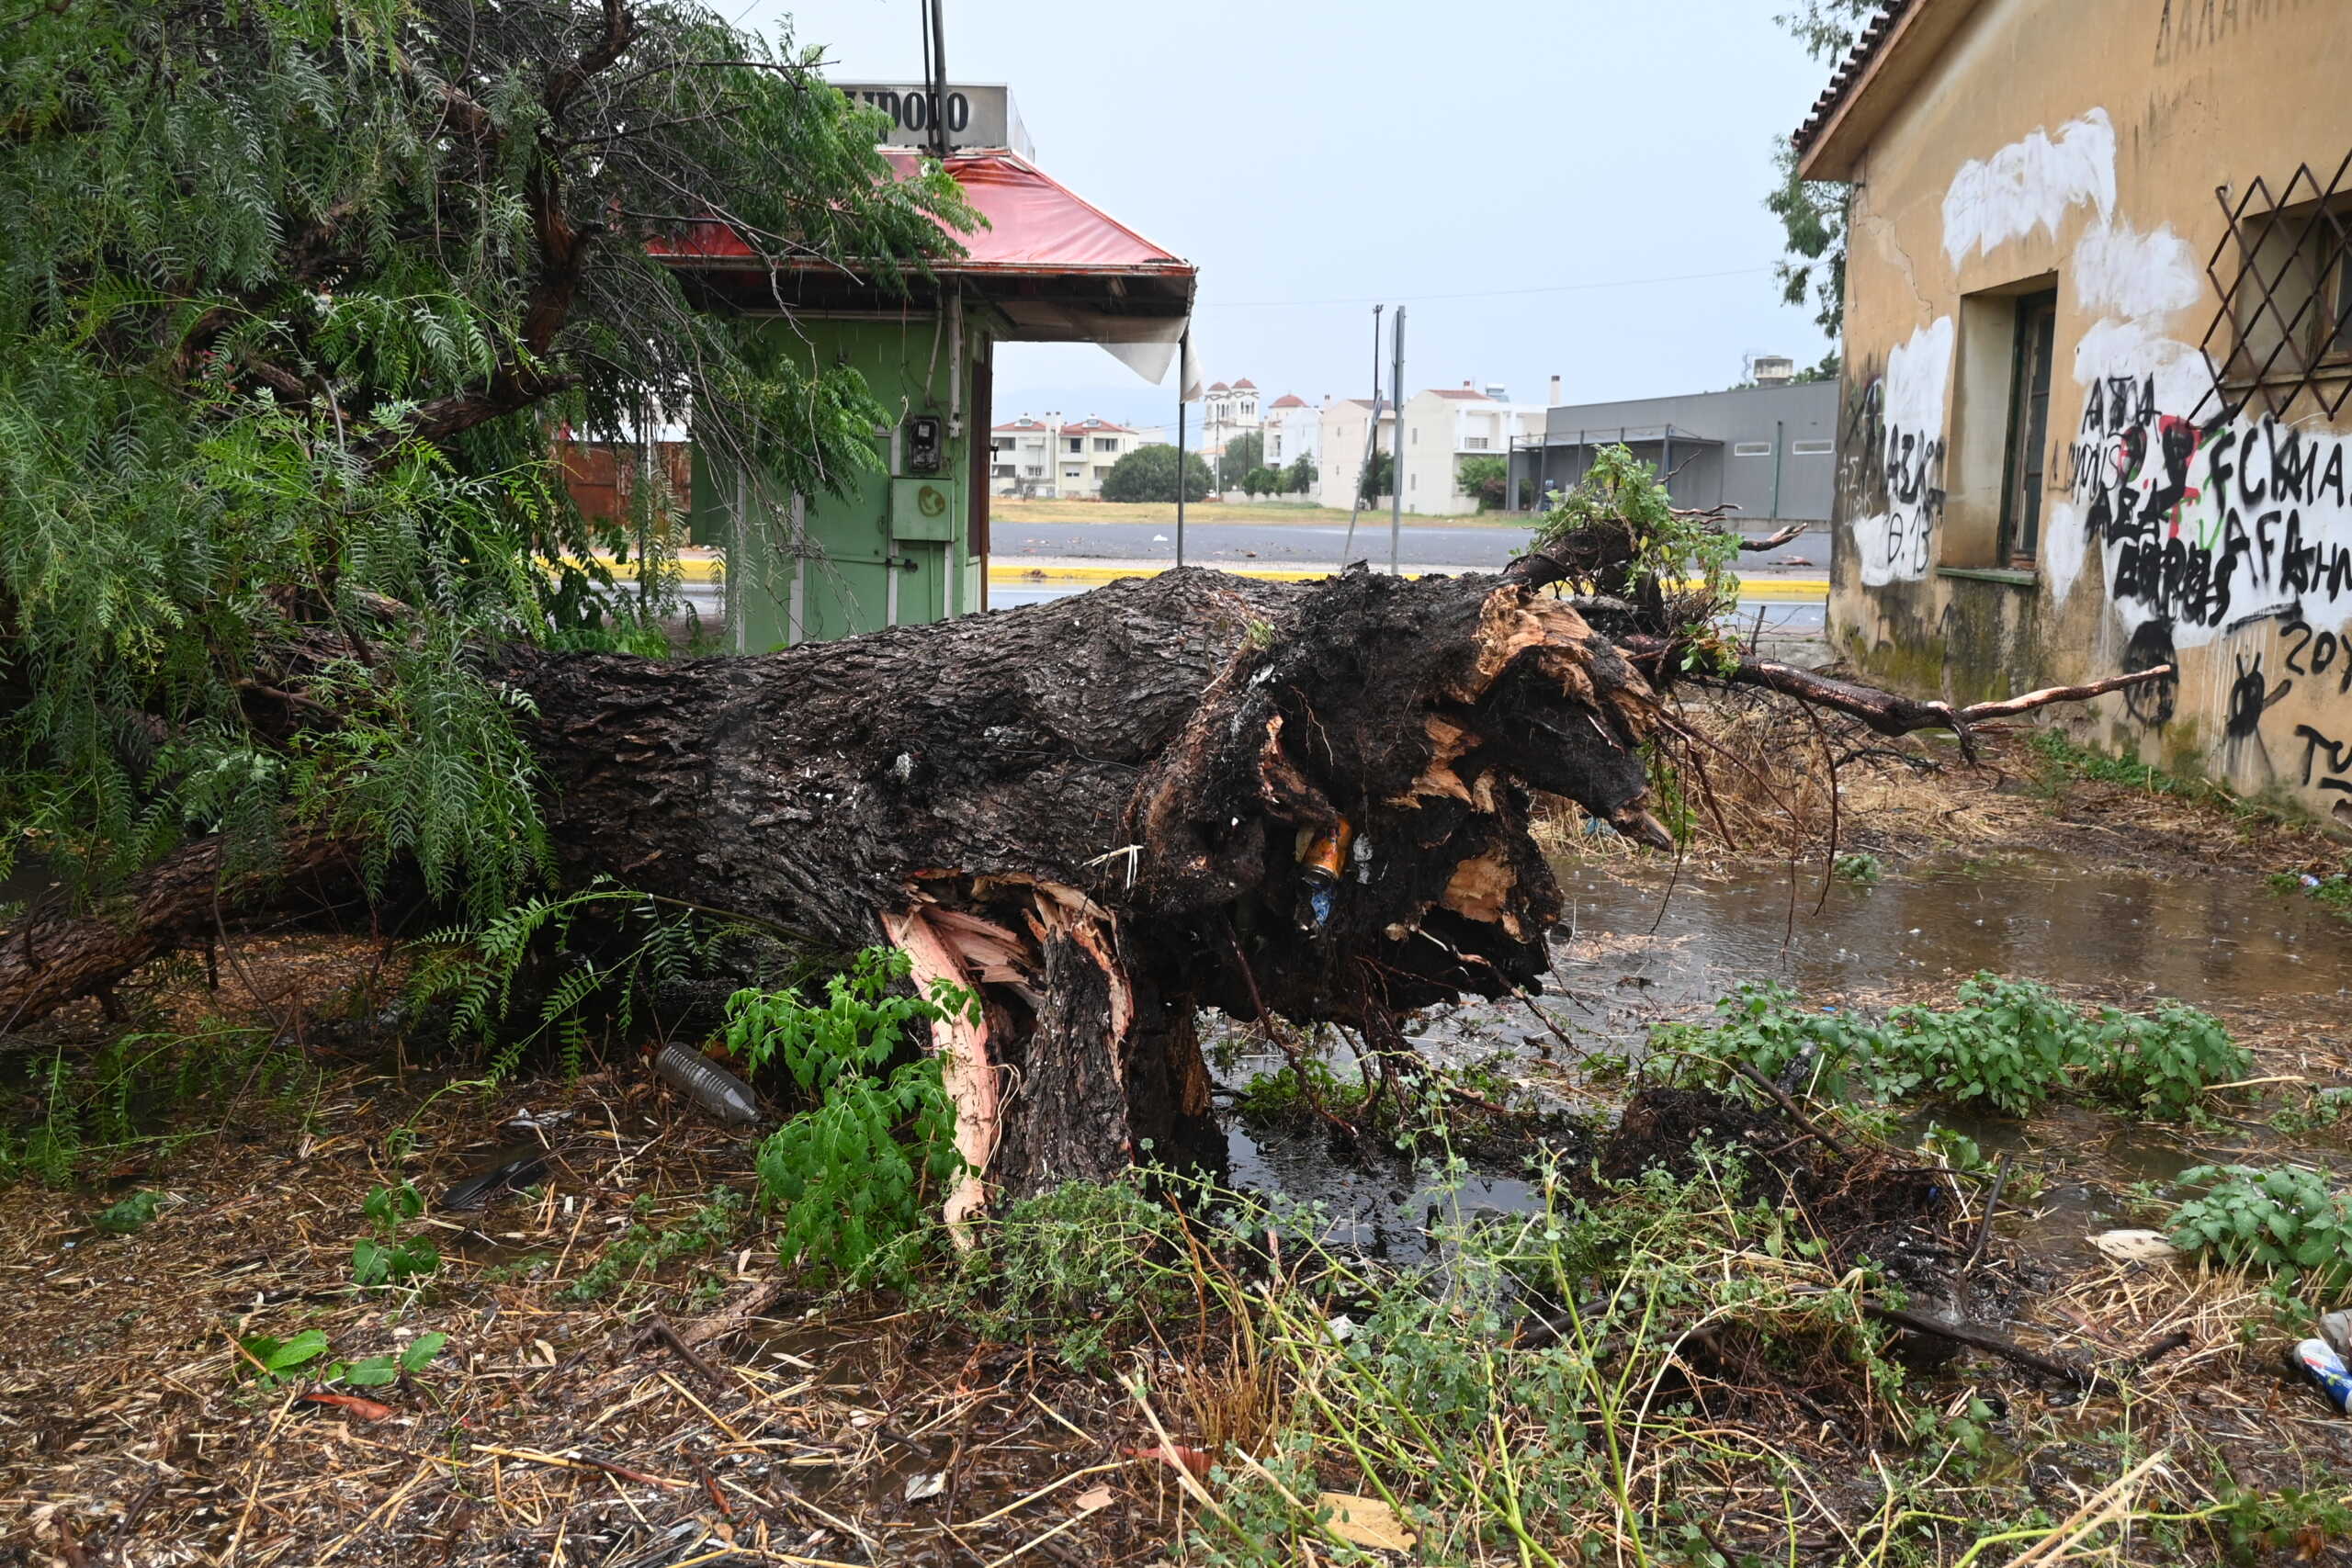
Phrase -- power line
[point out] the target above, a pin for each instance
(1484, 293)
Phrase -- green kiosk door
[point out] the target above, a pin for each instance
(922, 526)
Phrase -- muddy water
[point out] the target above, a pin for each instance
(1643, 946)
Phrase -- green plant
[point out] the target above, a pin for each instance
(1148, 473)
(271, 1362)
(1862, 868)
(127, 1215)
(2163, 1064)
(1763, 1026)
(2331, 892)
(642, 1247)
(385, 1258)
(1086, 1268)
(856, 1170)
(2287, 1219)
(2009, 1045)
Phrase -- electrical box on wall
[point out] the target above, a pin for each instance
(922, 509)
(923, 446)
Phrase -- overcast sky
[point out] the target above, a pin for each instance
(1542, 182)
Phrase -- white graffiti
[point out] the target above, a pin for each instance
(2031, 185)
(1897, 544)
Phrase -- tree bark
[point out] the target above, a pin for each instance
(1093, 812)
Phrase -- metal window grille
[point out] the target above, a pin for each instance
(2283, 272)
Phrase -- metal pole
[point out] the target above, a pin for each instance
(1397, 477)
(1370, 441)
(1184, 356)
(1780, 429)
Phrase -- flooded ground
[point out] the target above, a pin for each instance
(1646, 944)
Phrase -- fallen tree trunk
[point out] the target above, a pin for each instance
(1098, 813)
(1093, 812)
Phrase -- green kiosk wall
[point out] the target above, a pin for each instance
(896, 546)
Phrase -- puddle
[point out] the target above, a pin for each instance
(1633, 956)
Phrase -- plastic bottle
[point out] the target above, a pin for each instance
(2325, 1369)
(1325, 860)
(705, 1083)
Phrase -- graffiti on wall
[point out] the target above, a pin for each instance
(2219, 545)
(1895, 446)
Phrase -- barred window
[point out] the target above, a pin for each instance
(2283, 272)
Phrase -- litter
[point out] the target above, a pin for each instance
(705, 1083)
(2326, 1370)
(2135, 1246)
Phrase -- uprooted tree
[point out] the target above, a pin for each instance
(1099, 814)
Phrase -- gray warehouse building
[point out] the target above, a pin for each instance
(1770, 451)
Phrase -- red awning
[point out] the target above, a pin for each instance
(1035, 225)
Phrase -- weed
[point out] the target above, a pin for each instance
(1865, 869)
(2008, 1045)
(642, 1247)
(1087, 1267)
(858, 1171)
(2063, 758)
(129, 1214)
(2324, 1108)
(2331, 892)
(274, 1361)
(1291, 1093)
(2286, 1220)
(386, 1258)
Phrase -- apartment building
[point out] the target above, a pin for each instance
(1050, 460)
(1342, 428)
(1445, 425)
(1293, 429)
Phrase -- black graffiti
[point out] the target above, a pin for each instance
(2314, 653)
(1915, 496)
(2339, 759)
(2250, 693)
(2149, 647)
(2135, 470)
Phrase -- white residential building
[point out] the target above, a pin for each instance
(1294, 429)
(1067, 461)
(1444, 425)
(1340, 439)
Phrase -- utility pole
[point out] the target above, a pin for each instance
(1183, 368)
(1371, 442)
(1397, 478)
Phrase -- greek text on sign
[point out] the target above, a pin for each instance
(977, 115)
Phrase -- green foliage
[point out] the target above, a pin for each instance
(1260, 481)
(642, 1247)
(2062, 760)
(1292, 1092)
(1148, 473)
(387, 1258)
(1812, 213)
(143, 1089)
(650, 941)
(1485, 481)
(275, 1361)
(2288, 1220)
(1862, 868)
(858, 1169)
(2006, 1045)
(1088, 1268)
(1242, 455)
(1622, 495)
(292, 299)
(1379, 477)
(2331, 892)
(1300, 477)
(130, 1214)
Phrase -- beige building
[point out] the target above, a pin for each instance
(2097, 351)
(1046, 459)
(1445, 425)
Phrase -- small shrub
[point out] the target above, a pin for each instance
(856, 1172)
(2009, 1045)
(121, 1219)
(386, 1258)
(2163, 1064)
(271, 1362)
(1864, 869)
(2286, 1220)
(1085, 1267)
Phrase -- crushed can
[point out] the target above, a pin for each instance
(2324, 1368)
(1321, 866)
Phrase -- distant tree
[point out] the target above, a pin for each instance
(1242, 454)
(1825, 371)
(1261, 480)
(1379, 477)
(1486, 481)
(1300, 477)
(1148, 473)
(1812, 213)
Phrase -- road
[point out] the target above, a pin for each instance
(1306, 547)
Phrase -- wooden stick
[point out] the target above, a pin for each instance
(1981, 1338)
(1991, 1202)
(1795, 1112)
